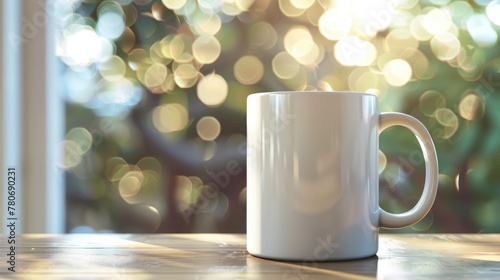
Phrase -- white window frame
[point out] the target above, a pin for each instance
(32, 116)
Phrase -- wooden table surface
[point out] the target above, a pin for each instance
(223, 256)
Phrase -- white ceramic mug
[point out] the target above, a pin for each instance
(312, 175)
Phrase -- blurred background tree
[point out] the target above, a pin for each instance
(156, 98)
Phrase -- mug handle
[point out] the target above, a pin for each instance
(424, 204)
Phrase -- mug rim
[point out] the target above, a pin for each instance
(312, 92)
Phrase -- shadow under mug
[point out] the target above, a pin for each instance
(312, 175)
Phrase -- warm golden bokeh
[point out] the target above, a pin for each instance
(212, 90)
(156, 93)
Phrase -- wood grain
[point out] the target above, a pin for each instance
(224, 256)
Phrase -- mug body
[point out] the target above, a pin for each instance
(312, 175)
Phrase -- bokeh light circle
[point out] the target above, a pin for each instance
(397, 72)
(212, 90)
(481, 31)
(288, 9)
(417, 29)
(155, 75)
(170, 117)
(174, 4)
(468, 106)
(334, 24)
(445, 46)
(113, 69)
(130, 184)
(302, 4)
(111, 25)
(449, 120)
(70, 155)
(430, 101)
(248, 70)
(285, 66)
(206, 49)
(81, 137)
(352, 51)
(262, 35)
(83, 47)
(208, 128)
(185, 75)
(493, 12)
(436, 21)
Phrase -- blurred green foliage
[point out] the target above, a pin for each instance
(147, 71)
